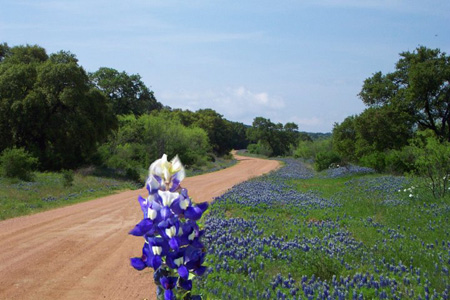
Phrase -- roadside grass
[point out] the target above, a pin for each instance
(362, 235)
(50, 189)
(248, 154)
(219, 164)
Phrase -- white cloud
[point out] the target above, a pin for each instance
(237, 104)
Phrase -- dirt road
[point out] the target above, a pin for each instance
(82, 251)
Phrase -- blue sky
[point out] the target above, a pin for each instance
(290, 61)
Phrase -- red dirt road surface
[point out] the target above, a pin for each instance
(82, 251)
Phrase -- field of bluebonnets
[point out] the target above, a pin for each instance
(343, 234)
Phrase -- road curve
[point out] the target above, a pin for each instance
(82, 251)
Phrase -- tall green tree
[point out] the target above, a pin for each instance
(379, 129)
(217, 128)
(48, 107)
(376, 130)
(344, 138)
(238, 135)
(419, 86)
(127, 93)
(276, 137)
(4, 51)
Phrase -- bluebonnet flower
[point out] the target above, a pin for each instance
(172, 237)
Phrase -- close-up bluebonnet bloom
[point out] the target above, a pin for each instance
(172, 245)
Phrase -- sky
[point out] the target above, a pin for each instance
(289, 61)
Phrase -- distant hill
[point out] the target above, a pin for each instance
(317, 135)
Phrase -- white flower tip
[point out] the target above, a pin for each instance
(171, 232)
(178, 261)
(176, 164)
(157, 250)
(191, 237)
(152, 214)
(184, 204)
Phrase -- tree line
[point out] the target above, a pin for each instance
(65, 117)
(405, 127)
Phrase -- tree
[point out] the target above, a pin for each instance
(275, 138)
(4, 51)
(238, 135)
(382, 128)
(344, 138)
(127, 93)
(48, 107)
(217, 128)
(420, 86)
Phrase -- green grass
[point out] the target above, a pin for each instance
(217, 165)
(248, 154)
(47, 191)
(420, 220)
(415, 222)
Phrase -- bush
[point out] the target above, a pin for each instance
(68, 177)
(310, 149)
(133, 174)
(432, 161)
(399, 162)
(325, 159)
(260, 148)
(374, 160)
(304, 150)
(17, 163)
(143, 140)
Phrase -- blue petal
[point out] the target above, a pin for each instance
(137, 263)
(168, 283)
(166, 213)
(168, 295)
(197, 244)
(155, 262)
(142, 227)
(174, 243)
(183, 272)
(144, 205)
(200, 270)
(186, 284)
(203, 206)
(175, 206)
(175, 185)
(195, 212)
(170, 260)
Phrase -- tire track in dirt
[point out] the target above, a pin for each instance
(82, 251)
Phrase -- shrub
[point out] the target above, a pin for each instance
(260, 148)
(133, 174)
(399, 162)
(304, 150)
(68, 177)
(324, 159)
(17, 163)
(432, 161)
(140, 141)
(310, 149)
(374, 160)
